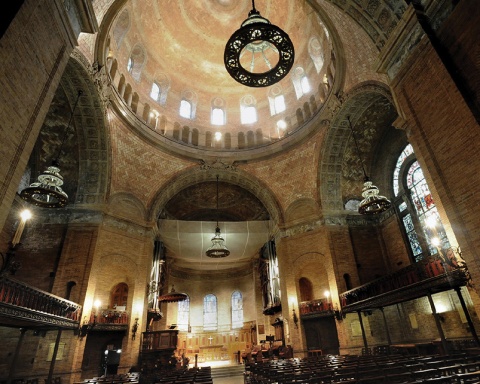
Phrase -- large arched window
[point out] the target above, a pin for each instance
(210, 313)
(416, 208)
(426, 210)
(237, 310)
(183, 316)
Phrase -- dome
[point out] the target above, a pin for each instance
(166, 61)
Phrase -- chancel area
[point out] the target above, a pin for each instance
(286, 188)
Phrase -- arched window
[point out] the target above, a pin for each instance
(210, 313)
(276, 100)
(416, 207)
(300, 82)
(121, 27)
(119, 296)
(218, 116)
(155, 92)
(306, 289)
(160, 88)
(183, 317)
(186, 109)
(237, 310)
(316, 51)
(405, 153)
(248, 112)
(136, 62)
(188, 104)
(426, 210)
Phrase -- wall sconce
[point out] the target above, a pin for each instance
(134, 328)
(295, 318)
(86, 327)
(339, 315)
(8, 259)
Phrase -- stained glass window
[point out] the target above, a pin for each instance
(237, 310)
(183, 317)
(210, 313)
(425, 207)
(412, 237)
(405, 153)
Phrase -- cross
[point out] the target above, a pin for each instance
(210, 338)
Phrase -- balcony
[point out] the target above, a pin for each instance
(316, 308)
(24, 306)
(415, 281)
(105, 320)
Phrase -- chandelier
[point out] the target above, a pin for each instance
(47, 192)
(218, 248)
(265, 43)
(373, 203)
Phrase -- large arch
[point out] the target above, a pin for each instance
(356, 103)
(92, 133)
(229, 175)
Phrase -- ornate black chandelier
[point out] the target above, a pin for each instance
(47, 192)
(262, 39)
(373, 203)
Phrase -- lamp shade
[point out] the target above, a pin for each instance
(172, 297)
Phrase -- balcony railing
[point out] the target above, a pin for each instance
(109, 316)
(416, 280)
(23, 302)
(105, 320)
(322, 307)
(429, 276)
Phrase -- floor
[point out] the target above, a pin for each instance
(222, 380)
(228, 380)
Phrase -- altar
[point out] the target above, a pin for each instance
(212, 353)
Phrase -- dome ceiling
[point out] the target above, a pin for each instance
(179, 45)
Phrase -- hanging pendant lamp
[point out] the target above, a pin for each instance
(218, 248)
(373, 203)
(262, 42)
(47, 192)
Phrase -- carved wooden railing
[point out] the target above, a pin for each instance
(109, 316)
(21, 301)
(419, 279)
(105, 320)
(319, 307)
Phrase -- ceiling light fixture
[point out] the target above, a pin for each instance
(218, 248)
(372, 203)
(47, 192)
(262, 39)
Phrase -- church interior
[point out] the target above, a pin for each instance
(312, 194)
